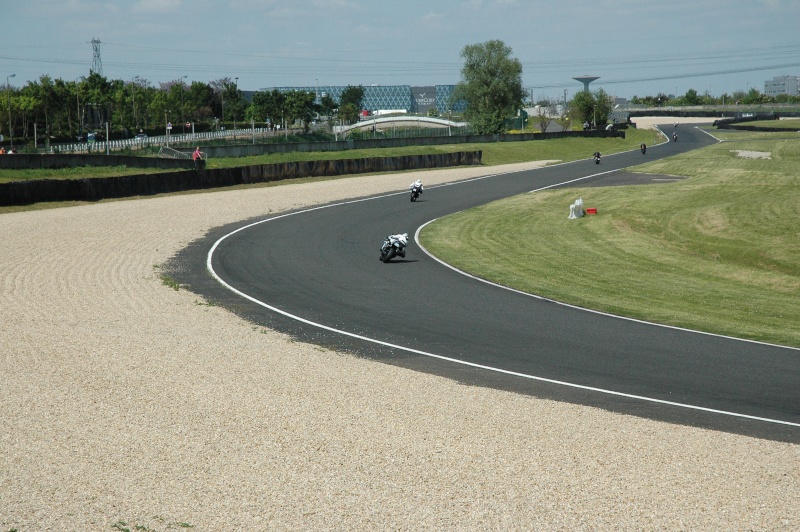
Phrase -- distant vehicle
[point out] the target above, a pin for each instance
(141, 137)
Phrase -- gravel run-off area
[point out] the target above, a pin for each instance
(126, 403)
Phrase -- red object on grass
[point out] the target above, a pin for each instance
(591, 210)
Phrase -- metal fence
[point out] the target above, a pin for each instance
(158, 141)
(241, 135)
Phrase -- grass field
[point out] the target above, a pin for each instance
(717, 252)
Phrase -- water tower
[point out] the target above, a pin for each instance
(586, 80)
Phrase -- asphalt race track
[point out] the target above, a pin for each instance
(316, 274)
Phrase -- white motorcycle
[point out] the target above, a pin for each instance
(394, 245)
(416, 189)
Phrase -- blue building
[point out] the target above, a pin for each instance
(415, 100)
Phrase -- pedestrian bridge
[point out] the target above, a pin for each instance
(401, 121)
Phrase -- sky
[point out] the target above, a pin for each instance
(636, 47)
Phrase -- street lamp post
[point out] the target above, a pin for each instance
(234, 107)
(133, 92)
(8, 88)
(78, 108)
(183, 118)
(166, 124)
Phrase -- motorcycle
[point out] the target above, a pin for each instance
(394, 245)
(416, 190)
(674, 137)
(596, 157)
(643, 148)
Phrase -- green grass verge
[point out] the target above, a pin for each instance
(717, 252)
(80, 172)
(494, 153)
(792, 124)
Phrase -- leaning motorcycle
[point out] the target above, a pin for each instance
(394, 245)
(416, 190)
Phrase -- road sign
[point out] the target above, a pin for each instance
(169, 125)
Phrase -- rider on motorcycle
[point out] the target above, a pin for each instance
(398, 241)
(416, 190)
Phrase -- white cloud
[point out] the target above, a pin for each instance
(433, 18)
(156, 6)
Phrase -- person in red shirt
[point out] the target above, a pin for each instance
(196, 157)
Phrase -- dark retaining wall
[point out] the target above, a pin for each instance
(65, 160)
(736, 123)
(92, 189)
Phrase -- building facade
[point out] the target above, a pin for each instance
(401, 98)
(782, 85)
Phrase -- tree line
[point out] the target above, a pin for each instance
(66, 110)
(750, 97)
(490, 86)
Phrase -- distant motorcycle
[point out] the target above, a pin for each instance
(643, 148)
(416, 189)
(674, 137)
(597, 157)
(394, 245)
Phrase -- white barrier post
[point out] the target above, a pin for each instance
(576, 209)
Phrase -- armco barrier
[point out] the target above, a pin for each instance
(92, 189)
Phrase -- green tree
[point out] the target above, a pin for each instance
(228, 103)
(95, 96)
(348, 113)
(327, 106)
(352, 95)
(491, 86)
(300, 106)
(544, 111)
(200, 100)
(350, 103)
(753, 96)
(582, 107)
(592, 107)
(268, 106)
(692, 98)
